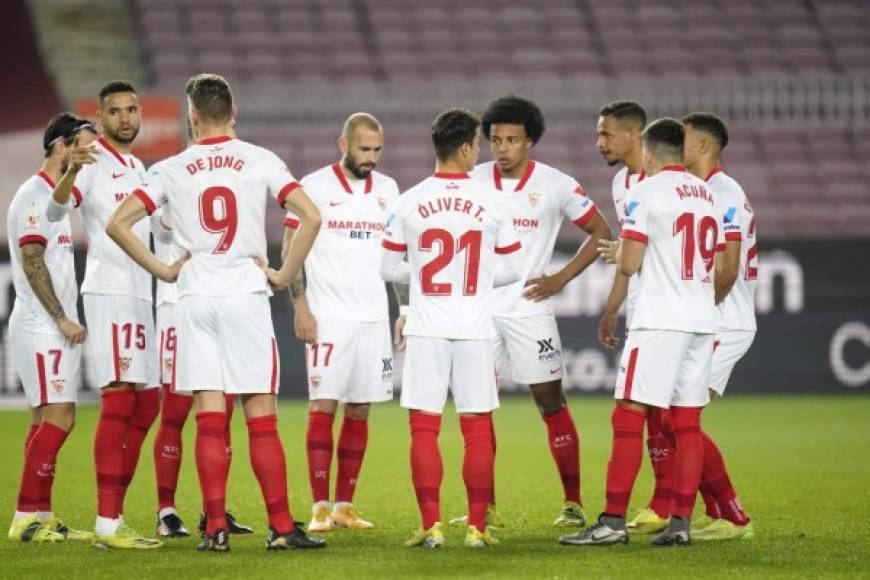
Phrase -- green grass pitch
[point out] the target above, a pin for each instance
(800, 464)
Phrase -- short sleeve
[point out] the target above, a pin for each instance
(279, 180)
(153, 191)
(31, 223)
(507, 240)
(575, 204)
(634, 227)
(394, 234)
(730, 208)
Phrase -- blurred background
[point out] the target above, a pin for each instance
(791, 78)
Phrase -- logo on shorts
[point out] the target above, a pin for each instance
(58, 385)
(546, 350)
(387, 369)
(124, 362)
(534, 198)
(315, 381)
(167, 363)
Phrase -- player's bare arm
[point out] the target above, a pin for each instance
(33, 263)
(727, 267)
(543, 287)
(304, 323)
(607, 324)
(629, 256)
(309, 226)
(402, 292)
(79, 157)
(120, 229)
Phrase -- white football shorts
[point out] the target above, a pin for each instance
(166, 343)
(729, 348)
(352, 361)
(665, 368)
(226, 343)
(48, 366)
(120, 346)
(435, 366)
(528, 349)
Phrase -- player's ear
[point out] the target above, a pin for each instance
(343, 145)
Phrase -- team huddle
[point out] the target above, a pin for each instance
(465, 252)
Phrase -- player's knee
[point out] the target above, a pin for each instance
(324, 406)
(358, 411)
(549, 397)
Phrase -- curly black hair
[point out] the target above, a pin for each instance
(514, 110)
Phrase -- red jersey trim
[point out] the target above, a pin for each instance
(214, 140)
(287, 190)
(273, 381)
(448, 175)
(527, 174)
(674, 167)
(628, 175)
(584, 219)
(149, 204)
(32, 239)
(393, 246)
(43, 384)
(634, 235)
(629, 375)
(342, 178)
(113, 151)
(721, 247)
(77, 194)
(713, 172)
(733, 236)
(509, 249)
(46, 178)
(291, 223)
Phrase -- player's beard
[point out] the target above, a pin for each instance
(116, 135)
(358, 171)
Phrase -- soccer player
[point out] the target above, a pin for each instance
(460, 242)
(538, 197)
(44, 331)
(216, 194)
(343, 315)
(669, 240)
(175, 406)
(117, 300)
(706, 137)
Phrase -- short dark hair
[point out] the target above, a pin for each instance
(112, 87)
(622, 110)
(666, 138)
(211, 96)
(514, 110)
(63, 127)
(451, 129)
(709, 123)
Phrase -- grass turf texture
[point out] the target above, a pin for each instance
(801, 466)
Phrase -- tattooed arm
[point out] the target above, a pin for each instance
(33, 263)
(304, 323)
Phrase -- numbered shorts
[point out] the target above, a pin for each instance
(434, 366)
(166, 344)
(352, 361)
(728, 348)
(665, 368)
(529, 349)
(49, 368)
(226, 343)
(120, 346)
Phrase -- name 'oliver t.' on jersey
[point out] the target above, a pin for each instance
(216, 193)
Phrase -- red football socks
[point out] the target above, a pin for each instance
(168, 445)
(625, 458)
(145, 410)
(270, 467)
(212, 467)
(30, 433)
(318, 443)
(477, 465)
(686, 423)
(491, 499)
(351, 450)
(714, 478)
(662, 454)
(565, 447)
(115, 412)
(37, 476)
(427, 470)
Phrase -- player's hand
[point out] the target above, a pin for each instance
(275, 279)
(542, 287)
(305, 325)
(72, 331)
(399, 339)
(607, 331)
(608, 249)
(172, 270)
(81, 156)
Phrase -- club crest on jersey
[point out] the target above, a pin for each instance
(315, 381)
(534, 198)
(58, 385)
(124, 363)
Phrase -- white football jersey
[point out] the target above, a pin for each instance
(99, 190)
(675, 214)
(452, 227)
(167, 293)
(342, 269)
(25, 224)
(537, 203)
(737, 310)
(216, 193)
(623, 181)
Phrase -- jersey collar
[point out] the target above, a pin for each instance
(448, 175)
(114, 152)
(215, 140)
(46, 178)
(674, 167)
(496, 176)
(342, 178)
(714, 171)
(640, 176)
